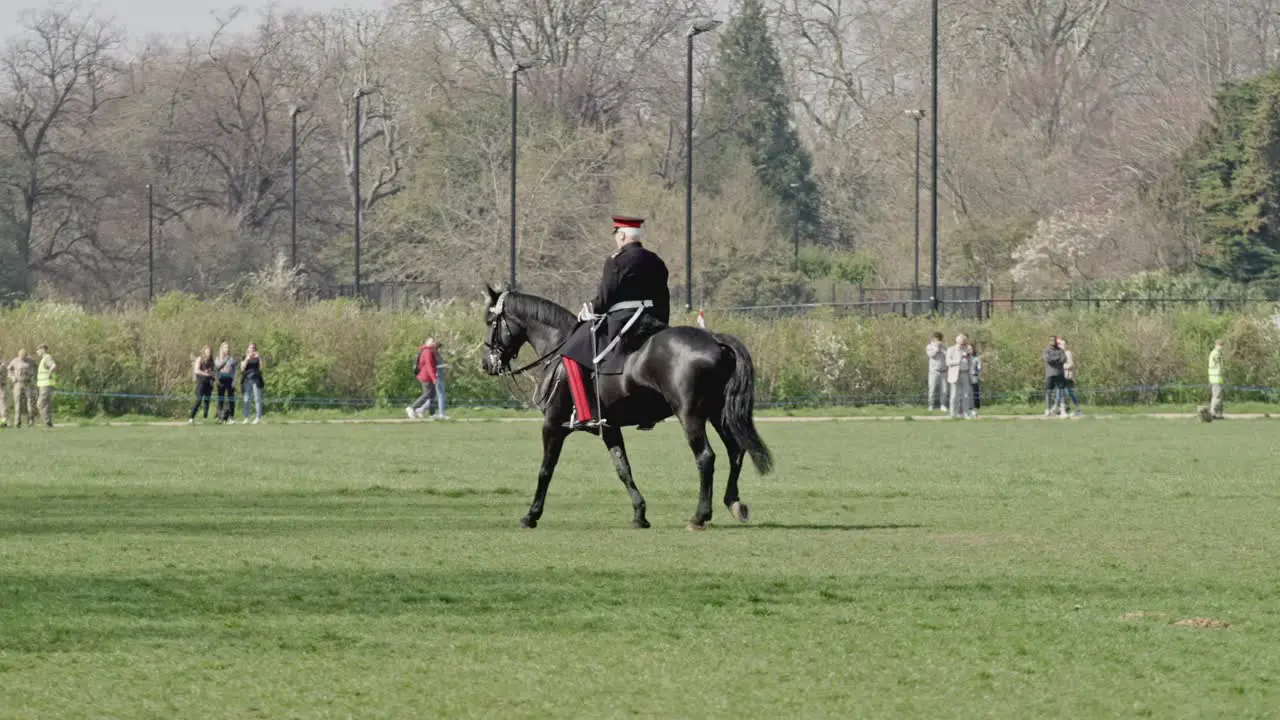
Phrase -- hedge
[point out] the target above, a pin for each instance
(338, 351)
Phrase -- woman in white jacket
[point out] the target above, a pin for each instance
(959, 366)
(1069, 376)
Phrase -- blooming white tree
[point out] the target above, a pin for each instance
(1067, 247)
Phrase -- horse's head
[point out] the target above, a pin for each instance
(506, 335)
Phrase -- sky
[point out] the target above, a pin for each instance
(144, 17)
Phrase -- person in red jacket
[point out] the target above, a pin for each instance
(424, 369)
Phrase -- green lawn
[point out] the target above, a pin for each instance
(966, 569)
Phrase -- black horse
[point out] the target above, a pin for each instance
(692, 374)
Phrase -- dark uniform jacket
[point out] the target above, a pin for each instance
(632, 273)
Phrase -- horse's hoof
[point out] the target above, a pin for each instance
(741, 512)
(697, 526)
(640, 524)
(528, 522)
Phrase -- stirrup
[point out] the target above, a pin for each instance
(575, 424)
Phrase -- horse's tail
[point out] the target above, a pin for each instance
(739, 404)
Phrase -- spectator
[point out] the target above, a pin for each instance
(46, 382)
(226, 367)
(1068, 379)
(1215, 380)
(440, 366)
(20, 376)
(959, 363)
(424, 370)
(1054, 381)
(202, 372)
(936, 352)
(4, 397)
(252, 382)
(975, 375)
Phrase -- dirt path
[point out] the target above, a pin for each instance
(759, 419)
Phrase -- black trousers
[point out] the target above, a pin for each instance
(204, 392)
(227, 394)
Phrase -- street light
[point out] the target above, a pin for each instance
(355, 166)
(151, 245)
(917, 115)
(933, 129)
(795, 231)
(516, 69)
(293, 181)
(695, 29)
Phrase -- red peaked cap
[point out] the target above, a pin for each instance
(622, 221)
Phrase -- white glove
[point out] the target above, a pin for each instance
(585, 313)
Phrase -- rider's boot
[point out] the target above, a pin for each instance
(581, 418)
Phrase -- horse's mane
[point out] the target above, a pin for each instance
(541, 310)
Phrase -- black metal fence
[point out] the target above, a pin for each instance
(968, 302)
(384, 295)
(961, 300)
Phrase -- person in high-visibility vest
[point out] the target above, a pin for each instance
(1215, 380)
(46, 381)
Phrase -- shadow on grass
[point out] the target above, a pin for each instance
(333, 608)
(67, 612)
(819, 526)
(236, 514)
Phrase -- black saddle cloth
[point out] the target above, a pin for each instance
(578, 346)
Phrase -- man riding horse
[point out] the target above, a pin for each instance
(632, 305)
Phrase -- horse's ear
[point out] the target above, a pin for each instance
(491, 295)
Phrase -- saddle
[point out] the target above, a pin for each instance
(603, 342)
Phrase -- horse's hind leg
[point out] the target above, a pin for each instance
(695, 431)
(736, 456)
(618, 451)
(553, 436)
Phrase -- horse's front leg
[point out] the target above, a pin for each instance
(612, 437)
(553, 435)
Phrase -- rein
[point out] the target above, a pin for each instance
(537, 362)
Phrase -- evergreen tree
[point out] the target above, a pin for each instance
(749, 118)
(1228, 183)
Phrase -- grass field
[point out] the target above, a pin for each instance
(966, 569)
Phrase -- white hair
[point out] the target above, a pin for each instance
(632, 233)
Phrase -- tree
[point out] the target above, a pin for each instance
(1228, 181)
(59, 72)
(749, 118)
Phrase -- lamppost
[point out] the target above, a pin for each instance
(355, 167)
(917, 115)
(516, 69)
(151, 245)
(795, 231)
(695, 29)
(933, 129)
(293, 182)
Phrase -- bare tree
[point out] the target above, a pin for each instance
(59, 72)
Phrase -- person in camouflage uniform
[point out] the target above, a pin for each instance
(21, 373)
(4, 397)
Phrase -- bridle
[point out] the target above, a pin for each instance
(500, 355)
